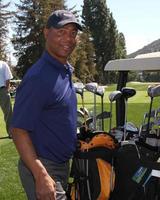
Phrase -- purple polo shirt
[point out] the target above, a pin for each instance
(46, 107)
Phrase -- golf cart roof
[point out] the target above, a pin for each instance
(142, 62)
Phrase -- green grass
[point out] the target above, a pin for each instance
(10, 186)
(137, 105)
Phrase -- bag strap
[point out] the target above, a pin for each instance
(97, 152)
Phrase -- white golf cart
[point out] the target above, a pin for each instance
(143, 62)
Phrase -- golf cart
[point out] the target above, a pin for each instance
(143, 62)
(126, 157)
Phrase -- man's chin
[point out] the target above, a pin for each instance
(66, 54)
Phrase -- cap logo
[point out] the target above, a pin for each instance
(67, 15)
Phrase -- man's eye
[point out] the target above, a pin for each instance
(61, 32)
(74, 33)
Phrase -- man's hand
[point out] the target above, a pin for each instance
(45, 188)
(45, 185)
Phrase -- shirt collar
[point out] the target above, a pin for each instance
(55, 63)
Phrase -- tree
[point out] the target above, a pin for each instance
(5, 15)
(120, 52)
(96, 17)
(83, 58)
(90, 54)
(120, 46)
(99, 20)
(28, 40)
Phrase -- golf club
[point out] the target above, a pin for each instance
(100, 92)
(92, 87)
(153, 91)
(113, 97)
(127, 92)
(79, 89)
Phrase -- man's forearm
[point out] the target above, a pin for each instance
(27, 152)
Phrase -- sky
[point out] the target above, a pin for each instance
(138, 20)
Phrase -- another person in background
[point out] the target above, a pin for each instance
(5, 102)
(44, 116)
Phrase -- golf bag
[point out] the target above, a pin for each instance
(92, 168)
(133, 167)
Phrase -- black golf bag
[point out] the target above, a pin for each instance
(133, 166)
(92, 169)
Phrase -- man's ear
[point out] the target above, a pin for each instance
(45, 32)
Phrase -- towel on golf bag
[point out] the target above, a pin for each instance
(133, 166)
(92, 168)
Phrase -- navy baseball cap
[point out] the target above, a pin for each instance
(59, 18)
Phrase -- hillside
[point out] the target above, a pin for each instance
(152, 47)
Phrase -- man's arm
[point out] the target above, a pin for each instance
(45, 185)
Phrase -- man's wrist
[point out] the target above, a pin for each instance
(39, 170)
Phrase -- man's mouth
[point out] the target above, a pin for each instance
(67, 48)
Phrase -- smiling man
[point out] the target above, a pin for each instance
(44, 115)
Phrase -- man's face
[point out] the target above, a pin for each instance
(61, 42)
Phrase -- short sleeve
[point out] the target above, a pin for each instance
(29, 103)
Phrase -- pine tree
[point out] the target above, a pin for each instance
(83, 59)
(5, 15)
(120, 52)
(28, 40)
(90, 52)
(99, 20)
(120, 46)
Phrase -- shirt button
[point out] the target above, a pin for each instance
(66, 66)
